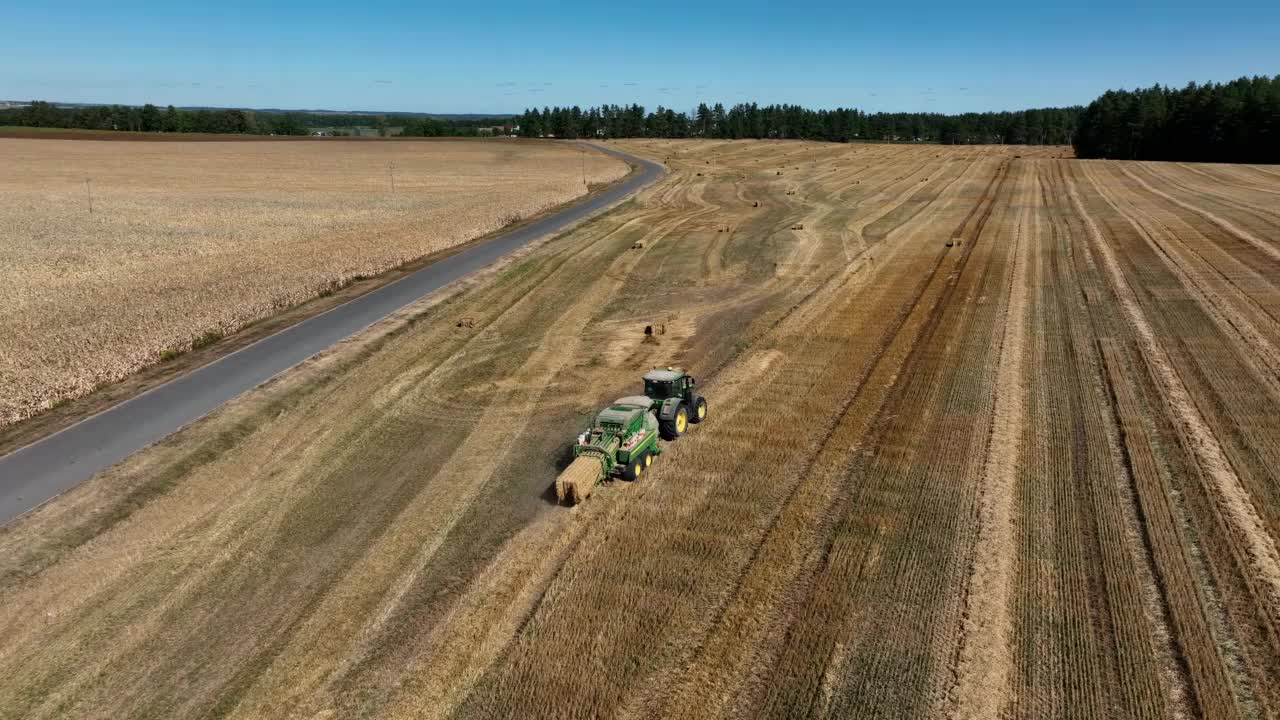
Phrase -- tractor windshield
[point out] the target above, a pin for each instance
(659, 389)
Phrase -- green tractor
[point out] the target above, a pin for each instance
(623, 439)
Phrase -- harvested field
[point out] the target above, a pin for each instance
(990, 436)
(188, 241)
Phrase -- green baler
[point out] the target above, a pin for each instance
(623, 439)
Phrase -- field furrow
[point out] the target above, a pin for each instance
(992, 434)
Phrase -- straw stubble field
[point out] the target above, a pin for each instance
(990, 436)
(187, 242)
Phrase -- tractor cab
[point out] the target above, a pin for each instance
(666, 383)
(674, 400)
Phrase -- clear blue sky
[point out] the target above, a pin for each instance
(505, 56)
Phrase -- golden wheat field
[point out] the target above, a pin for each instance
(192, 240)
(993, 434)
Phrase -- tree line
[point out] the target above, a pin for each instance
(150, 118)
(1044, 126)
(1237, 121)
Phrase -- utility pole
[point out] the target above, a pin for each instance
(88, 191)
(582, 156)
(391, 173)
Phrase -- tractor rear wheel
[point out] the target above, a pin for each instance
(699, 410)
(675, 427)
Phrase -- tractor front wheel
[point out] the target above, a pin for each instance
(699, 410)
(675, 427)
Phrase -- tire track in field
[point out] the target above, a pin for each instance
(1224, 370)
(748, 625)
(1232, 601)
(1259, 546)
(1230, 172)
(1269, 249)
(1183, 618)
(1145, 647)
(1167, 174)
(983, 674)
(812, 662)
(480, 625)
(1077, 590)
(707, 683)
(1262, 356)
(1260, 170)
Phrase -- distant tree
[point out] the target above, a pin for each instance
(170, 122)
(1238, 121)
(702, 120)
(288, 124)
(149, 118)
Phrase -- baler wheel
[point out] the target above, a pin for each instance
(635, 468)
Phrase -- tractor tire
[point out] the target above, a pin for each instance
(635, 468)
(675, 427)
(699, 410)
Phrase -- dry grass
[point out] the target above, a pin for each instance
(191, 241)
(989, 437)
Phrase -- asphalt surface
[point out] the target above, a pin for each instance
(37, 472)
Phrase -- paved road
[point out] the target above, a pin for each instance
(33, 474)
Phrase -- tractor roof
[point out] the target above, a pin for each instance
(619, 414)
(640, 401)
(664, 374)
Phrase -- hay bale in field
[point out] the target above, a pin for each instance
(755, 204)
(578, 480)
(637, 245)
(467, 322)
